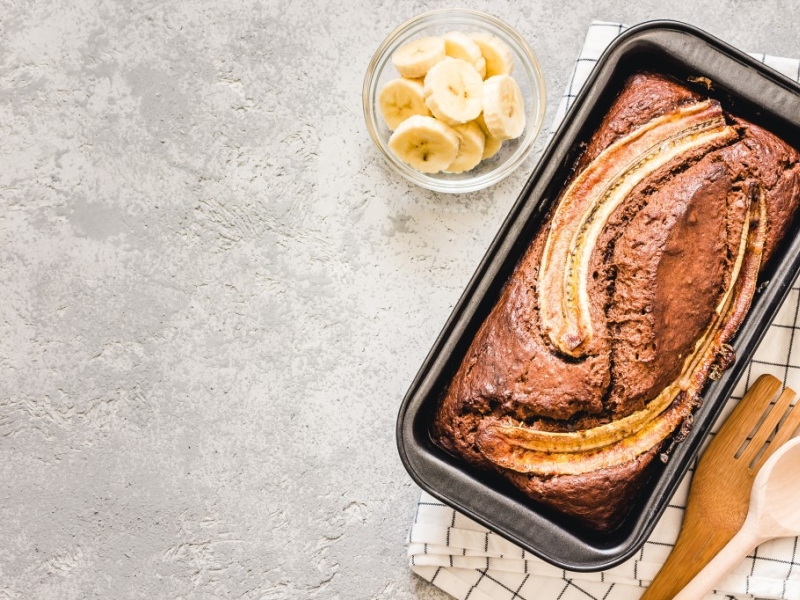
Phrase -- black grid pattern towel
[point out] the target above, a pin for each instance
(468, 561)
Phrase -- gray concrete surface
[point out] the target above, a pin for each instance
(213, 294)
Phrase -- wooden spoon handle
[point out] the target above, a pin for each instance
(738, 548)
(694, 548)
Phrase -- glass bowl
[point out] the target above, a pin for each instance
(526, 72)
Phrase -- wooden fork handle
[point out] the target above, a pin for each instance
(727, 558)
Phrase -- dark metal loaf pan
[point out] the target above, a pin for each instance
(746, 88)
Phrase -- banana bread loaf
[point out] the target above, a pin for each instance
(622, 307)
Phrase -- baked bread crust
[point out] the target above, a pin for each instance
(664, 262)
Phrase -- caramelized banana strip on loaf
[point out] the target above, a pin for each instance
(590, 200)
(745, 290)
(510, 456)
(609, 433)
(506, 452)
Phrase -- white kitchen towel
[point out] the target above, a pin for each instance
(468, 561)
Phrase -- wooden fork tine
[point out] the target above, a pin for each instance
(767, 427)
(760, 396)
(785, 433)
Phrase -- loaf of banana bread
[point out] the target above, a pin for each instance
(597, 351)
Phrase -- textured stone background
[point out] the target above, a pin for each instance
(213, 294)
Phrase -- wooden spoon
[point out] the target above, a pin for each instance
(720, 492)
(773, 513)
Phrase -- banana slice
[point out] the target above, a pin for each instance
(460, 45)
(426, 144)
(499, 60)
(454, 91)
(480, 66)
(402, 98)
(492, 145)
(414, 59)
(471, 142)
(503, 107)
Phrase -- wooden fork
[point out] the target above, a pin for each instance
(720, 493)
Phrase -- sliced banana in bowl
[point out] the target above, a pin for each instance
(425, 143)
(499, 60)
(402, 98)
(454, 91)
(503, 107)
(471, 142)
(460, 45)
(413, 60)
(426, 90)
